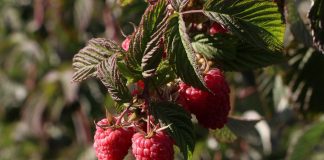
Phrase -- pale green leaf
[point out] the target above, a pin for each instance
(224, 135)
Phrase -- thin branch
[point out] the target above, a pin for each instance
(157, 91)
(123, 114)
(192, 11)
(146, 96)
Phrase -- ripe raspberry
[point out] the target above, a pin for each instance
(217, 28)
(140, 84)
(125, 44)
(211, 110)
(182, 96)
(139, 87)
(157, 147)
(111, 143)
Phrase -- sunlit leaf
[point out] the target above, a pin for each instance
(257, 22)
(224, 135)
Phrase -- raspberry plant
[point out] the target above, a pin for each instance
(162, 54)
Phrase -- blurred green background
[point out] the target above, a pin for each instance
(45, 116)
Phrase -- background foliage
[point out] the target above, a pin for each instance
(45, 116)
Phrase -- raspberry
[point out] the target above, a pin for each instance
(217, 28)
(211, 110)
(111, 143)
(157, 147)
(140, 84)
(125, 44)
(182, 95)
(139, 88)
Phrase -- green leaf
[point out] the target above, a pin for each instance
(110, 76)
(125, 2)
(231, 54)
(86, 61)
(249, 57)
(127, 73)
(145, 52)
(164, 74)
(316, 16)
(257, 22)
(181, 128)
(307, 143)
(182, 54)
(220, 46)
(224, 135)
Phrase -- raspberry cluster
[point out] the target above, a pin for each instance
(210, 109)
(113, 143)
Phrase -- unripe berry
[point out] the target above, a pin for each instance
(125, 44)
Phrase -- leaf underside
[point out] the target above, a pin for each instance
(145, 51)
(109, 75)
(85, 62)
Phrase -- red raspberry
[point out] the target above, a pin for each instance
(182, 96)
(217, 28)
(140, 84)
(125, 44)
(111, 143)
(157, 147)
(139, 88)
(211, 110)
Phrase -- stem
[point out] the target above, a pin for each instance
(148, 126)
(146, 96)
(123, 114)
(158, 92)
(192, 11)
